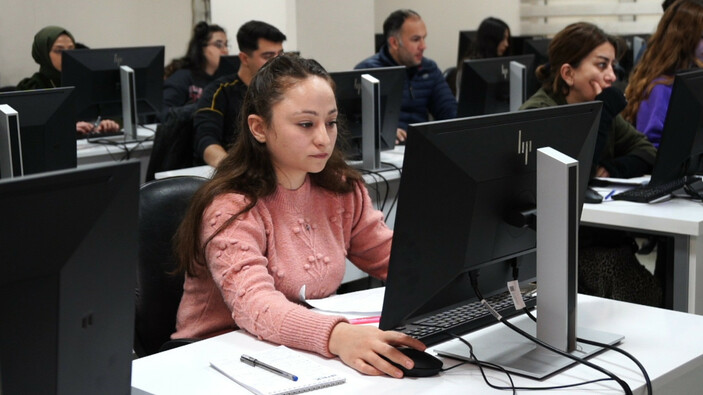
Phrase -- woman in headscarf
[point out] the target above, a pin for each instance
(49, 44)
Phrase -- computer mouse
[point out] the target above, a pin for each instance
(591, 196)
(426, 365)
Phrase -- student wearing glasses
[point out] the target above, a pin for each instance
(187, 77)
(215, 120)
(47, 48)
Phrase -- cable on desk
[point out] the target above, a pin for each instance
(395, 198)
(376, 174)
(473, 275)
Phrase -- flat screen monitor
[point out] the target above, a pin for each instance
(467, 38)
(464, 183)
(229, 65)
(379, 40)
(680, 150)
(485, 84)
(517, 44)
(95, 74)
(632, 46)
(348, 93)
(538, 47)
(67, 280)
(47, 127)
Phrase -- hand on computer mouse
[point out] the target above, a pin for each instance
(369, 349)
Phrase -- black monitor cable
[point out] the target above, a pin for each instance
(474, 283)
(378, 176)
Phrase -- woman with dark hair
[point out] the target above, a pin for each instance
(676, 45)
(493, 39)
(580, 69)
(186, 77)
(276, 223)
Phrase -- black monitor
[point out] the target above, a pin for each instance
(680, 150)
(485, 84)
(47, 128)
(633, 43)
(379, 40)
(465, 181)
(517, 44)
(67, 280)
(348, 93)
(229, 65)
(95, 73)
(538, 47)
(467, 38)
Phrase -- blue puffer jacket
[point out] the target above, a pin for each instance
(425, 90)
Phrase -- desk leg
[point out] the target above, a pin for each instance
(695, 276)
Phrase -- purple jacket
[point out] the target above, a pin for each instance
(652, 113)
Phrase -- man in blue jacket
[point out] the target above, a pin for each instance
(426, 91)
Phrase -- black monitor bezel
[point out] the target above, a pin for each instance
(681, 145)
(67, 278)
(47, 127)
(478, 90)
(95, 74)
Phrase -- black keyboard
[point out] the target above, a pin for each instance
(653, 193)
(463, 318)
(98, 135)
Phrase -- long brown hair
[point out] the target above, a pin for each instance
(670, 49)
(570, 46)
(247, 169)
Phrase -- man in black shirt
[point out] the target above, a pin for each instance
(216, 119)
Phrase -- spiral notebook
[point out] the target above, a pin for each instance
(311, 375)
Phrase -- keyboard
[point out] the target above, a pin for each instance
(653, 193)
(98, 135)
(463, 318)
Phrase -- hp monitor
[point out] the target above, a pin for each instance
(466, 202)
(348, 93)
(95, 74)
(67, 280)
(485, 84)
(47, 128)
(467, 38)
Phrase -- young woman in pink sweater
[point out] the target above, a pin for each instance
(277, 221)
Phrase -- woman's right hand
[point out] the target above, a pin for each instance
(361, 347)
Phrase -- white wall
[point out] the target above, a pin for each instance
(101, 23)
(338, 34)
(232, 14)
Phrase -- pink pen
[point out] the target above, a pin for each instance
(365, 320)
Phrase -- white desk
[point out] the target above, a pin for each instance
(680, 218)
(87, 153)
(382, 186)
(666, 342)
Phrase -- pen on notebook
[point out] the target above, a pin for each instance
(365, 320)
(258, 364)
(608, 196)
(96, 124)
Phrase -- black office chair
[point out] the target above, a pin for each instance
(450, 75)
(162, 205)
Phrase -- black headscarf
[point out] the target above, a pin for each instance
(48, 76)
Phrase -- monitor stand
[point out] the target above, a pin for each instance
(10, 143)
(557, 279)
(371, 124)
(129, 103)
(518, 85)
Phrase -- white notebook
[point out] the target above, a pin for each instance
(311, 375)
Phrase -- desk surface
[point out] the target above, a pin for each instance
(665, 342)
(394, 157)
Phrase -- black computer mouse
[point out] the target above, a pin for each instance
(426, 365)
(592, 196)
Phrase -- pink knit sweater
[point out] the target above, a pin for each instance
(258, 265)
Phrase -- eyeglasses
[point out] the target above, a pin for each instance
(221, 45)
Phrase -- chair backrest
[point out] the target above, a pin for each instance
(162, 205)
(173, 142)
